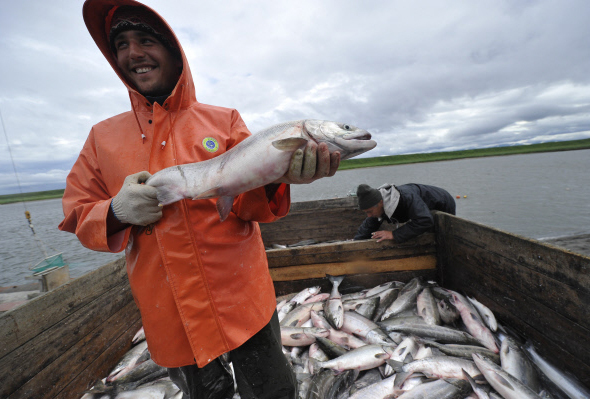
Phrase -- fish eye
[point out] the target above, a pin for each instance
(346, 127)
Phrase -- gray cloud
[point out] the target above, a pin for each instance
(421, 76)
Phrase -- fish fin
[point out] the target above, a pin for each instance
(224, 205)
(290, 144)
(424, 341)
(429, 379)
(475, 316)
(314, 366)
(400, 378)
(459, 383)
(296, 335)
(145, 355)
(395, 365)
(453, 299)
(211, 193)
(504, 381)
(409, 358)
(469, 378)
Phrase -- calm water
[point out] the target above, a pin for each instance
(537, 195)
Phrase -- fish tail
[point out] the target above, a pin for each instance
(400, 376)
(469, 378)
(335, 279)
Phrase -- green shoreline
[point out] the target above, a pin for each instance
(477, 153)
(382, 161)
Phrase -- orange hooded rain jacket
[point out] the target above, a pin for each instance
(202, 286)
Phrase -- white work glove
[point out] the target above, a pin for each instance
(137, 203)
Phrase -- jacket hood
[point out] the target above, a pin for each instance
(390, 198)
(98, 15)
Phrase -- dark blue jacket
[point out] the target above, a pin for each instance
(415, 203)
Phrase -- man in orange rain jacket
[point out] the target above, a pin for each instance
(202, 286)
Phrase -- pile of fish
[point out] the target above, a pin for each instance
(136, 376)
(410, 341)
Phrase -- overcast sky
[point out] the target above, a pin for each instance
(421, 76)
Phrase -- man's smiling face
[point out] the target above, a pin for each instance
(147, 63)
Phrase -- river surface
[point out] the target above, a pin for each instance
(538, 196)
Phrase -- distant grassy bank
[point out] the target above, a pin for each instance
(446, 156)
(383, 161)
(34, 196)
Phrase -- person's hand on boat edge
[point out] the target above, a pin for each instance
(382, 235)
(310, 164)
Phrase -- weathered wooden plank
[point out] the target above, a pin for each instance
(565, 343)
(324, 214)
(326, 220)
(570, 268)
(60, 376)
(25, 322)
(345, 251)
(357, 281)
(100, 366)
(442, 255)
(353, 267)
(24, 362)
(570, 302)
(333, 225)
(321, 205)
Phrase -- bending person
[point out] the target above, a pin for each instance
(409, 203)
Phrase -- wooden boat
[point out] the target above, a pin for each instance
(57, 345)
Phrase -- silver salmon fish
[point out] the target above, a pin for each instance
(259, 160)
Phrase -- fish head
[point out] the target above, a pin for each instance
(349, 140)
(482, 361)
